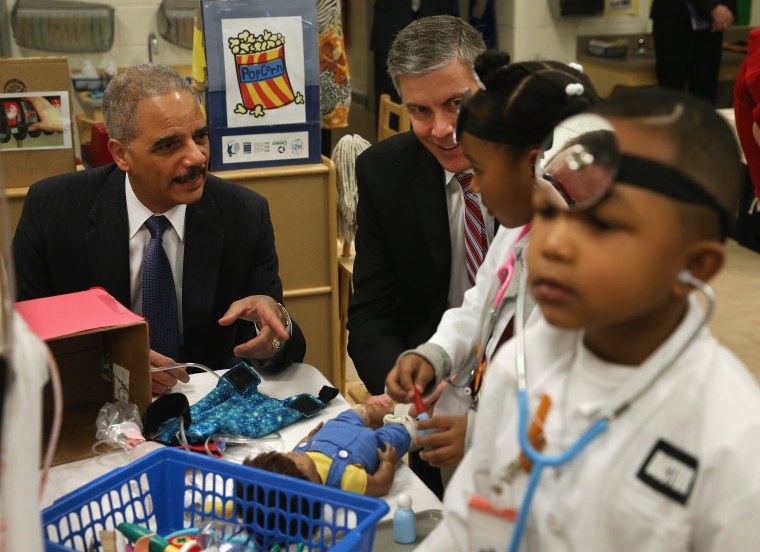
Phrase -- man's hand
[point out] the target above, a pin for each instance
(722, 18)
(268, 316)
(51, 118)
(163, 381)
(409, 372)
(445, 446)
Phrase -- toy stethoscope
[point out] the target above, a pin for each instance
(619, 402)
(634, 171)
(506, 272)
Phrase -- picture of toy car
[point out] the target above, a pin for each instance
(12, 123)
(30, 117)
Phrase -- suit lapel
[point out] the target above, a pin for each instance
(107, 241)
(204, 240)
(429, 194)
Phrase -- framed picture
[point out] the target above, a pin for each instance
(35, 121)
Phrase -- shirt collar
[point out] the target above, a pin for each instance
(139, 213)
(450, 176)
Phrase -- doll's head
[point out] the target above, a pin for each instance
(269, 511)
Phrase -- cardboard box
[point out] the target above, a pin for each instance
(25, 165)
(102, 352)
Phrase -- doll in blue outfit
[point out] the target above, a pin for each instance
(356, 451)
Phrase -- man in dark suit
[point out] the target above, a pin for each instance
(410, 263)
(688, 41)
(91, 228)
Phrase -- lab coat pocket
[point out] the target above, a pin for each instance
(641, 518)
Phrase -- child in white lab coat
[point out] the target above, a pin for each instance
(671, 460)
(500, 128)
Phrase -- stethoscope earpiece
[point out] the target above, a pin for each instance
(686, 277)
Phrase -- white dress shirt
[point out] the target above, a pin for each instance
(174, 246)
(459, 282)
(173, 242)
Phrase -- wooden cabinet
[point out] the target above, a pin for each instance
(302, 202)
(608, 73)
(637, 68)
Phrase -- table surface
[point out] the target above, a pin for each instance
(299, 378)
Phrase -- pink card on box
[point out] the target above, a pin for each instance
(60, 315)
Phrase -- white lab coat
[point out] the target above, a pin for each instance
(706, 405)
(457, 332)
(20, 524)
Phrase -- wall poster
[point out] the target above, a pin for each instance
(262, 94)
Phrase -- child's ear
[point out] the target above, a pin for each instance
(705, 259)
(532, 159)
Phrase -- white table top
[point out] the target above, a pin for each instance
(299, 378)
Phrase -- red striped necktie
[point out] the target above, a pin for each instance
(476, 242)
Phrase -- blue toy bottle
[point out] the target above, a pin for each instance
(423, 416)
(404, 521)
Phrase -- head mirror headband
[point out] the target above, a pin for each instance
(580, 161)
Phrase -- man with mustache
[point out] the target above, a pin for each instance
(92, 228)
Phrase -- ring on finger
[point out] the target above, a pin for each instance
(276, 343)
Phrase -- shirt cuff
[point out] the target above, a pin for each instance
(437, 357)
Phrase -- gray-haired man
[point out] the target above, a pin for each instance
(156, 225)
(411, 252)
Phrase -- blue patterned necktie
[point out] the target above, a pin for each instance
(159, 299)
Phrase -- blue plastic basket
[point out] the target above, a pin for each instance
(172, 489)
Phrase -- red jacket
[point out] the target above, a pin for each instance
(747, 106)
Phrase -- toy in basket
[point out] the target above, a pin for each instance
(172, 489)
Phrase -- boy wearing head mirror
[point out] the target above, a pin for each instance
(633, 428)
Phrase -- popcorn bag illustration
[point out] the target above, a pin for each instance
(261, 72)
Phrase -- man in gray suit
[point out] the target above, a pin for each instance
(91, 228)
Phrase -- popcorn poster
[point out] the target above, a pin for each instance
(264, 71)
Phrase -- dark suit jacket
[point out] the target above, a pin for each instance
(390, 16)
(73, 235)
(403, 255)
(678, 9)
